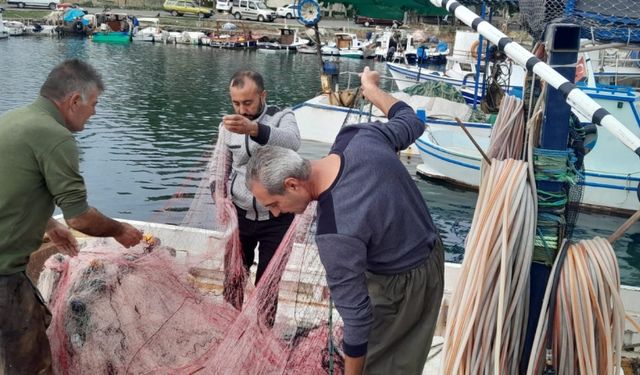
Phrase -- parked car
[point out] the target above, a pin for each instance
(224, 5)
(182, 7)
(370, 21)
(288, 11)
(253, 10)
(51, 4)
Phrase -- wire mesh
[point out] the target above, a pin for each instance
(610, 21)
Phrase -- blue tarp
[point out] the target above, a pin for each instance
(71, 14)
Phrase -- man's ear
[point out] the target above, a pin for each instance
(263, 97)
(74, 99)
(291, 183)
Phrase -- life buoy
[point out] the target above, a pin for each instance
(474, 49)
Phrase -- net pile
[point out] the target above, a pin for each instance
(186, 307)
(605, 21)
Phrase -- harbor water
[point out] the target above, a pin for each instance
(156, 124)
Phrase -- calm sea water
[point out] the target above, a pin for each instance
(144, 151)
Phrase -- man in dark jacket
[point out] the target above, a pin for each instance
(381, 251)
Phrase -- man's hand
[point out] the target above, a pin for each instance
(128, 235)
(370, 79)
(62, 237)
(240, 125)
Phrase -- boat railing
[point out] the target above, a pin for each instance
(614, 60)
(382, 77)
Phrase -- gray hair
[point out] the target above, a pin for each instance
(271, 165)
(71, 76)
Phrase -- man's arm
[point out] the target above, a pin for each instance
(285, 134)
(347, 283)
(353, 365)
(94, 223)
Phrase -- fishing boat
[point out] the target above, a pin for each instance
(14, 28)
(612, 173)
(113, 28)
(288, 41)
(40, 30)
(115, 37)
(150, 31)
(460, 71)
(309, 49)
(233, 41)
(302, 287)
(4, 34)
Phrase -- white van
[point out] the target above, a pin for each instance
(253, 10)
(223, 5)
(51, 4)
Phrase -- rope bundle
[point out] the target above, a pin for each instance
(489, 311)
(588, 322)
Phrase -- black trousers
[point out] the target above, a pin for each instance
(267, 234)
(24, 346)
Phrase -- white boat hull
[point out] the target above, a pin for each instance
(320, 121)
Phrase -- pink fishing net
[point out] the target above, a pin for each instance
(179, 308)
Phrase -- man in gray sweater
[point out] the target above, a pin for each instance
(254, 125)
(382, 253)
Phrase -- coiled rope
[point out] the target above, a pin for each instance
(588, 314)
(488, 313)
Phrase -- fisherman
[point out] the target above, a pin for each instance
(382, 253)
(39, 169)
(254, 125)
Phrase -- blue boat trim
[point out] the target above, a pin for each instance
(609, 186)
(445, 151)
(466, 165)
(478, 125)
(612, 177)
(423, 146)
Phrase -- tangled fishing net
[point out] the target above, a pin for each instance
(179, 306)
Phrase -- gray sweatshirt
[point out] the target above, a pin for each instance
(276, 128)
(372, 218)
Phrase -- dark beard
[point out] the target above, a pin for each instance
(255, 116)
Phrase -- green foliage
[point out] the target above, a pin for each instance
(13, 14)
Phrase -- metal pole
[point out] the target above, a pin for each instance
(577, 99)
(319, 47)
(563, 44)
(478, 62)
